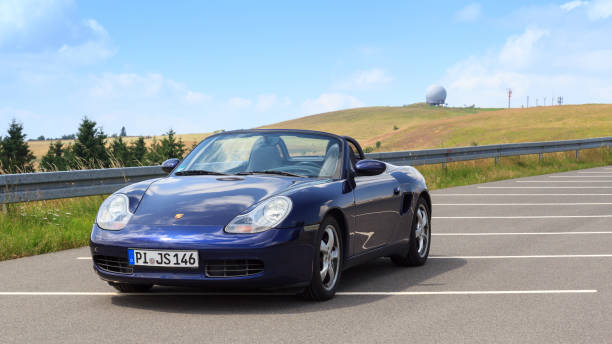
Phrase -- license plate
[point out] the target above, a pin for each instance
(178, 259)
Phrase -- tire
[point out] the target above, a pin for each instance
(325, 280)
(131, 288)
(420, 238)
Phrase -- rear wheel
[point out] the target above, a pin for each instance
(420, 238)
(327, 262)
(131, 288)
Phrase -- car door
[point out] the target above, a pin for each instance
(377, 207)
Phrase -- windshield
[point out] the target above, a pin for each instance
(301, 154)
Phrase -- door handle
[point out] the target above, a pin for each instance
(396, 191)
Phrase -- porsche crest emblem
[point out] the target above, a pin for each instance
(178, 216)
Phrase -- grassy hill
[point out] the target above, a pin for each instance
(421, 126)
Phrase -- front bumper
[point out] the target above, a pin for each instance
(286, 254)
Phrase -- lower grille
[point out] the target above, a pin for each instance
(113, 264)
(233, 268)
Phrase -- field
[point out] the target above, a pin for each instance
(40, 148)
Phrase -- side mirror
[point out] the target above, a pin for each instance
(169, 164)
(370, 167)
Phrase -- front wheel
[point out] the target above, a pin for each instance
(420, 238)
(327, 262)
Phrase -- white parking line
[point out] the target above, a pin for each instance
(579, 176)
(524, 217)
(84, 258)
(526, 257)
(467, 292)
(516, 233)
(545, 187)
(563, 181)
(519, 194)
(589, 172)
(515, 204)
(342, 293)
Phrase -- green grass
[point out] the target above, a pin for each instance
(483, 171)
(47, 226)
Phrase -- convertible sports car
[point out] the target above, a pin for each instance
(262, 209)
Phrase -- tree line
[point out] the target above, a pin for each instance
(92, 148)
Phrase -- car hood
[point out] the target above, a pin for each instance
(207, 200)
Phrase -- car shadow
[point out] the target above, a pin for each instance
(379, 275)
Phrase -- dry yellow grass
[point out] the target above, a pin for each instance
(40, 148)
(421, 126)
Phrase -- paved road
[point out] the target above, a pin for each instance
(524, 260)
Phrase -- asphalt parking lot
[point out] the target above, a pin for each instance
(526, 260)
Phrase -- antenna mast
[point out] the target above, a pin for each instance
(509, 96)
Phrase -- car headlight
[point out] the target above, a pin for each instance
(266, 215)
(114, 212)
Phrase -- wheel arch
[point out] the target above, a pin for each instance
(339, 216)
(425, 195)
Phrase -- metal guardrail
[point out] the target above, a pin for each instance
(52, 185)
(444, 155)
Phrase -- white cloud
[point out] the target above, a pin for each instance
(330, 102)
(469, 13)
(364, 80)
(23, 19)
(599, 9)
(265, 102)
(570, 60)
(570, 6)
(46, 34)
(193, 97)
(238, 103)
(128, 85)
(518, 50)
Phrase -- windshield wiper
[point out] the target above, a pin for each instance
(280, 173)
(200, 173)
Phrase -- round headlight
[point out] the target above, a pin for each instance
(266, 215)
(114, 212)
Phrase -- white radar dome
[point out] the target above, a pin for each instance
(436, 95)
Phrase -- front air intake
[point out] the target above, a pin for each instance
(113, 264)
(233, 268)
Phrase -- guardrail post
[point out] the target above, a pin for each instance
(444, 165)
(4, 208)
(541, 156)
(577, 150)
(496, 160)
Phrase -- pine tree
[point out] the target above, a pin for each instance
(89, 149)
(168, 147)
(172, 147)
(55, 159)
(138, 152)
(120, 152)
(123, 132)
(15, 154)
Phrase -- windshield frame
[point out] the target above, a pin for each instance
(338, 174)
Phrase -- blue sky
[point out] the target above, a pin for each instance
(198, 66)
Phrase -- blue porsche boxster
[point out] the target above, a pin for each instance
(262, 209)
